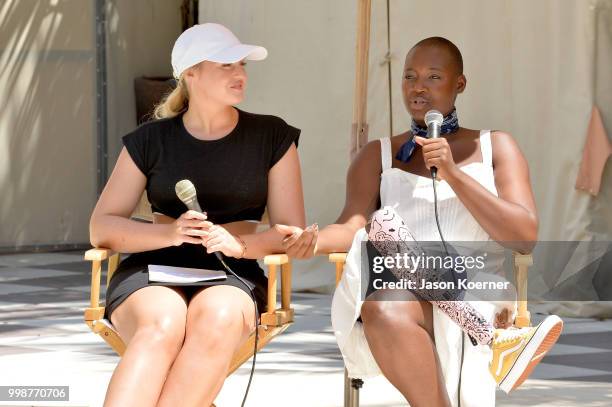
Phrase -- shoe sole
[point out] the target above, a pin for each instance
(540, 343)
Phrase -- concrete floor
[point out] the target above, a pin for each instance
(43, 341)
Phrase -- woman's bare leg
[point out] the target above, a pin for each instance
(400, 336)
(151, 322)
(219, 320)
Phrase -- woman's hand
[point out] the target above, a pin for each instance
(299, 243)
(218, 239)
(188, 228)
(437, 153)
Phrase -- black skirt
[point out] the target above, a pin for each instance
(132, 274)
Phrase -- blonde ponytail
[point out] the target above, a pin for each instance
(174, 102)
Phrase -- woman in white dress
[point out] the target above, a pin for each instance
(484, 194)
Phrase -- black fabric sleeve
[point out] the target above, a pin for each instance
(284, 136)
(136, 145)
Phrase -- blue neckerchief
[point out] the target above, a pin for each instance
(450, 124)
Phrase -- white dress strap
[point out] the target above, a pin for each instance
(385, 153)
(485, 147)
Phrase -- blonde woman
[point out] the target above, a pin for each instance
(180, 339)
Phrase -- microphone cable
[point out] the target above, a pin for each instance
(220, 257)
(433, 179)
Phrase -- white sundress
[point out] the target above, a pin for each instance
(464, 366)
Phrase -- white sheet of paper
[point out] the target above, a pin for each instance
(170, 274)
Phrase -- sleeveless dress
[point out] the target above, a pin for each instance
(465, 367)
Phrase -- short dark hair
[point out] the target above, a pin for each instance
(446, 44)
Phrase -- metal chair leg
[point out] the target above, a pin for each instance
(347, 389)
(351, 390)
(356, 384)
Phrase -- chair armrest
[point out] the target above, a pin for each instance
(339, 258)
(521, 265)
(522, 259)
(284, 315)
(98, 254)
(276, 259)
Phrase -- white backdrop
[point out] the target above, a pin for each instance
(48, 97)
(534, 69)
(47, 122)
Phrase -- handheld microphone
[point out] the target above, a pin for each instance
(186, 192)
(433, 120)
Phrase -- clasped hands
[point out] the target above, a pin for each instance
(193, 227)
(299, 243)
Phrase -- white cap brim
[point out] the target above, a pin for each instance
(239, 52)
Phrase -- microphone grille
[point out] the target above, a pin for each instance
(433, 116)
(185, 190)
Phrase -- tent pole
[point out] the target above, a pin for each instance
(101, 96)
(359, 131)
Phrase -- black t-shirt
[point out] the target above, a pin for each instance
(230, 174)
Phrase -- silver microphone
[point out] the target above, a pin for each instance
(433, 120)
(186, 192)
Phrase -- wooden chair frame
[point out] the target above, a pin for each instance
(272, 322)
(523, 318)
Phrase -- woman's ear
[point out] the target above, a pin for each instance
(461, 83)
(189, 73)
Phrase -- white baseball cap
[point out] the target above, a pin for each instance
(211, 42)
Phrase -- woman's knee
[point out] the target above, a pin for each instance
(154, 322)
(378, 313)
(217, 318)
(394, 315)
(214, 319)
(163, 334)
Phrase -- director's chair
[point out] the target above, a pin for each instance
(272, 322)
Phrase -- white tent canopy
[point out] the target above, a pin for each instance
(534, 69)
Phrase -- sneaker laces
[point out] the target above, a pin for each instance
(510, 334)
